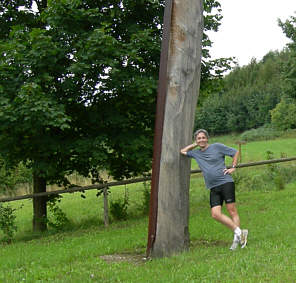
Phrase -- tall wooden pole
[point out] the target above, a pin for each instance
(160, 107)
(179, 79)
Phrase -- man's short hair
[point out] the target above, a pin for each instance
(201, 131)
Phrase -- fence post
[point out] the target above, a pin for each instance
(106, 208)
(240, 149)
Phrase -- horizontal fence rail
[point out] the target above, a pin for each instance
(131, 181)
(257, 163)
(78, 189)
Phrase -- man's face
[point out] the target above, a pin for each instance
(201, 140)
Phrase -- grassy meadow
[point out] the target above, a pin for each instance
(86, 251)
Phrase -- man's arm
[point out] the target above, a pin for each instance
(235, 159)
(234, 163)
(188, 148)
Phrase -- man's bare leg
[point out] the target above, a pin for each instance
(231, 208)
(222, 218)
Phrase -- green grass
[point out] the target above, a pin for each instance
(89, 252)
(114, 254)
(256, 151)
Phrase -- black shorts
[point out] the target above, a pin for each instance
(224, 192)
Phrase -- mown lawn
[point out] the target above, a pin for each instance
(115, 254)
(88, 252)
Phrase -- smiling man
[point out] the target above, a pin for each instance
(218, 179)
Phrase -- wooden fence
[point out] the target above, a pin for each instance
(130, 181)
(105, 186)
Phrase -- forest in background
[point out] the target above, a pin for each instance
(260, 94)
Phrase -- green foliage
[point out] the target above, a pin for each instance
(274, 173)
(283, 116)
(12, 15)
(245, 97)
(226, 113)
(69, 66)
(250, 181)
(264, 179)
(7, 222)
(211, 70)
(78, 84)
(118, 208)
(263, 133)
(289, 74)
(210, 117)
(269, 178)
(58, 219)
(10, 178)
(59, 83)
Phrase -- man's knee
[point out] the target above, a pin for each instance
(232, 209)
(216, 214)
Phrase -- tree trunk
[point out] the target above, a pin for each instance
(182, 88)
(39, 205)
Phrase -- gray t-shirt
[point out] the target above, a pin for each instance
(212, 163)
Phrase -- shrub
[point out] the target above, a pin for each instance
(283, 116)
(118, 208)
(263, 133)
(58, 219)
(248, 181)
(272, 177)
(7, 222)
(274, 173)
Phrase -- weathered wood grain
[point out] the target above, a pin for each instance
(183, 72)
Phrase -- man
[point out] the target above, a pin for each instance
(211, 161)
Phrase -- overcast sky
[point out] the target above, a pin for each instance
(249, 28)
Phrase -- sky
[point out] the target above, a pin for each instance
(249, 29)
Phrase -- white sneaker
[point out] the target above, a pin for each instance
(234, 244)
(244, 238)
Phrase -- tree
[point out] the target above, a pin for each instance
(289, 74)
(283, 116)
(212, 71)
(78, 87)
(78, 93)
(247, 96)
